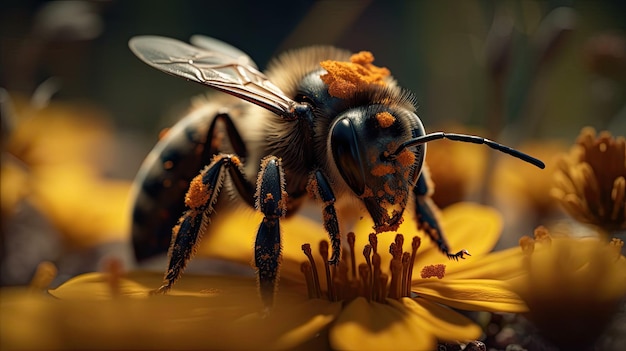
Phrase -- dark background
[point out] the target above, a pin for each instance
(434, 48)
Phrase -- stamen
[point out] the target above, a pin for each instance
(367, 280)
(376, 273)
(113, 267)
(616, 246)
(406, 280)
(435, 270)
(383, 279)
(351, 241)
(341, 275)
(329, 281)
(398, 246)
(306, 248)
(367, 251)
(44, 275)
(395, 287)
(542, 235)
(415, 244)
(364, 274)
(306, 269)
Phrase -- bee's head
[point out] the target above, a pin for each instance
(361, 140)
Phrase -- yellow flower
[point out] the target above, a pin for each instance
(572, 286)
(113, 311)
(591, 181)
(416, 315)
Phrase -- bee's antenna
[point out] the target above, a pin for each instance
(468, 139)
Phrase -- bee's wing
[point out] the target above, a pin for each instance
(215, 45)
(216, 69)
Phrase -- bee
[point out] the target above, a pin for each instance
(306, 128)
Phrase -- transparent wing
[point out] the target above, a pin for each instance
(215, 45)
(216, 69)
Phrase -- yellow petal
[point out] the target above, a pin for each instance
(200, 312)
(500, 265)
(471, 294)
(374, 326)
(469, 226)
(232, 236)
(443, 322)
(98, 286)
(290, 324)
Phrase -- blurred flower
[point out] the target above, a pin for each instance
(521, 182)
(53, 158)
(456, 169)
(572, 286)
(605, 54)
(590, 182)
(56, 203)
(112, 309)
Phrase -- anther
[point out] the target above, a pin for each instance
(399, 242)
(542, 235)
(527, 244)
(374, 242)
(306, 248)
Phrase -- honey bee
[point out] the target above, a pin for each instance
(320, 123)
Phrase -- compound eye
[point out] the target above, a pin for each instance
(348, 158)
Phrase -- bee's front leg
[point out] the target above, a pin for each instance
(320, 189)
(427, 214)
(271, 201)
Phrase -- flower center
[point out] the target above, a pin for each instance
(346, 281)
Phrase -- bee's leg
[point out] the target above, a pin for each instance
(427, 214)
(203, 192)
(320, 189)
(270, 200)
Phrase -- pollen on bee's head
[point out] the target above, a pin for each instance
(344, 79)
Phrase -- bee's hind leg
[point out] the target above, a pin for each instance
(427, 214)
(270, 200)
(200, 199)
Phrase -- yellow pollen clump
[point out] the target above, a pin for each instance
(406, 158)
(198, 193)
(385, 119)
(381, 170)
(344, 79)
(435, 270)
